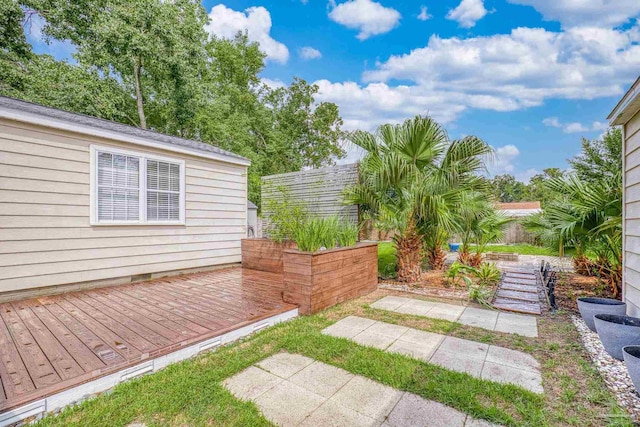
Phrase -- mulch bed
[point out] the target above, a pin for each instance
(571, 286)
(432, 283)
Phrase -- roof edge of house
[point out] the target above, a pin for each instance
(28, 112)
(627, 107)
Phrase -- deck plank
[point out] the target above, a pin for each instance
(107, 354)
(15, 377)
(41, 371)
(58, 342)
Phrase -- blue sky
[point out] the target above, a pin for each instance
(530, 77)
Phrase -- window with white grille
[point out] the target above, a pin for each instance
(134, 188)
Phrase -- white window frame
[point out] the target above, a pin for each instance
(142, 182)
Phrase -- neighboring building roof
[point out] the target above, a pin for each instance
(251, 205)
(627, 107)
(520, 208)
(23, 111)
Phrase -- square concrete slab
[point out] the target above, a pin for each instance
(251, 383)
(470, 349)
(371, 339)
(287, 404)
(387, 329)
(332, 414)
(339, 330)
(507, 375)
(415, 307)
(513, 358)
(448, 312)
(421, 351)
(421, 337)
(321, 378)
(389, 303)
(367, 397)
(517, 324)
(478, 317)
(457, 362)
(413, 410)
(284, 364)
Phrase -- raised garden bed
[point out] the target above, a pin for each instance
(264, 254)
(318, 280)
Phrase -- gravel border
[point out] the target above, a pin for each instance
(613, 371)
(427, 291)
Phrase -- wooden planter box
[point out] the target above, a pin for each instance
(264, 254)
(501, 256)
(318, 280)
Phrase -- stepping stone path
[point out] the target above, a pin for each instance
(488, 362)
(492, 320)
(294, 390)
(518, 292)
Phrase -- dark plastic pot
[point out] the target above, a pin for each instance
(589, 307)
(617, 332)
(631, 355)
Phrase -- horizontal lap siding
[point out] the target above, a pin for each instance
(45, 235)
(632, 215)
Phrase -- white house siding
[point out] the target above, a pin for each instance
(632, 215)
(45, 235)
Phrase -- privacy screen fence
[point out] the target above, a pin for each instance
(320, 190)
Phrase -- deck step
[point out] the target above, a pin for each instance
(517, 287)
(517, 295)
(517, 306)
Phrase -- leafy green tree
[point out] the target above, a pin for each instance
(538, 190)
(599, 158)
(507, 189)
(15, 51)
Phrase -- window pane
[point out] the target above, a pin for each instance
(175, 177)
(118, 187)
(174, 207)
(152, 175)
(133, 204)
(105, 169)
(152, 206)
(163, 206)
(163, 176)
(105, 204)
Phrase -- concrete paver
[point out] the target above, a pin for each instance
(492, 320)
(474, 358)
(323, 395)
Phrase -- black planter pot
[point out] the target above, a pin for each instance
(617, 332)
(631, 355)
(589, 307)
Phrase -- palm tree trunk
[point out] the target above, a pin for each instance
(409, 253)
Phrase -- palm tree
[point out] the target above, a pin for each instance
(411, 182)
(588, 216)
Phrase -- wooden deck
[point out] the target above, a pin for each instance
(54, 343)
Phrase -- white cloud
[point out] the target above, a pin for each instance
(601, 13)
(504, 159)
(574, 127)
(273, 83)
(526, 175)
(367, 16)
(308, 52)
(522, 69)
(468, 13)
(226, 22)
(424, 15)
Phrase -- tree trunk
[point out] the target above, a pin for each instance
(409, 253)
(136, 77)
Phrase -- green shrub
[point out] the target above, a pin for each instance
(347, 234)
(284, 216)
(487, 274)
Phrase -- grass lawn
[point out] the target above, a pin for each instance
(386, 260)
(190, 393)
